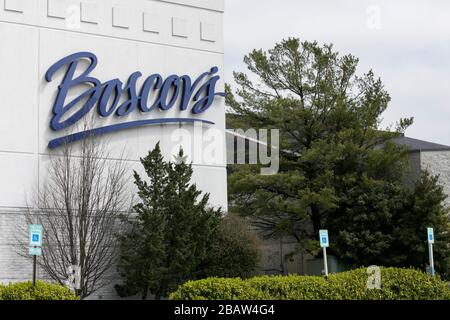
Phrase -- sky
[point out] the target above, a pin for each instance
(405, 42)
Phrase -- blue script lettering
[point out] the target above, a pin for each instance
(163, 94)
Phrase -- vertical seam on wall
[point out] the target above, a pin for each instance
(420, 163)
(38, 271)
(38, 110)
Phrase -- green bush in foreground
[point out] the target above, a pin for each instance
(42, 291)
(396, 284)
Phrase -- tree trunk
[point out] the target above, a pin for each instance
(144, 294)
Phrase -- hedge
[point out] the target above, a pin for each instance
(396, 284)
(42, 291)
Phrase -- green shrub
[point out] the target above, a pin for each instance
(42, 291)
(396, 284)
(235, 249)
(218, 289)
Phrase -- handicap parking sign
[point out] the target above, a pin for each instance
(324, 241)
(430, 234)
(35, 235)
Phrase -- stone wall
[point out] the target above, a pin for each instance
(438, 163)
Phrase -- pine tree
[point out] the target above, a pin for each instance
(423, 207)
(330, 140)
(338, 169)
(172, 232)
(143, 248)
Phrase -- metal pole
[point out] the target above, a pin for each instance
(281, 256)
(430, 253)
(34, 270)
(325, 262)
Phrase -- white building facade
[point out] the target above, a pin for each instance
(139, 46)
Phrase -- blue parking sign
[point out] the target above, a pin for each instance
(35, 235)
(430, 233)
(323, 236)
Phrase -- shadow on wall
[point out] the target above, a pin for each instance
(282, 256)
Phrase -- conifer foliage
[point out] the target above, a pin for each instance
(170, 236)
(339, 170)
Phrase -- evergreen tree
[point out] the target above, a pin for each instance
(362, 229)
(385, 224)
(423, 207)
(235, 250)
(170, 236)
(338, 169)
(329, 136)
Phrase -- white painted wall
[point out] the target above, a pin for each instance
(151, 36)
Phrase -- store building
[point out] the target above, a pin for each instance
(430, 156)
(53, 51)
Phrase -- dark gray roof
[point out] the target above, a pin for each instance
(419, 145)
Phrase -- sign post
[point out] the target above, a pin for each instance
(35, 243)
(324, 243)
(430, 237)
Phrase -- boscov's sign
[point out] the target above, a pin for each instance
(114, 98)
